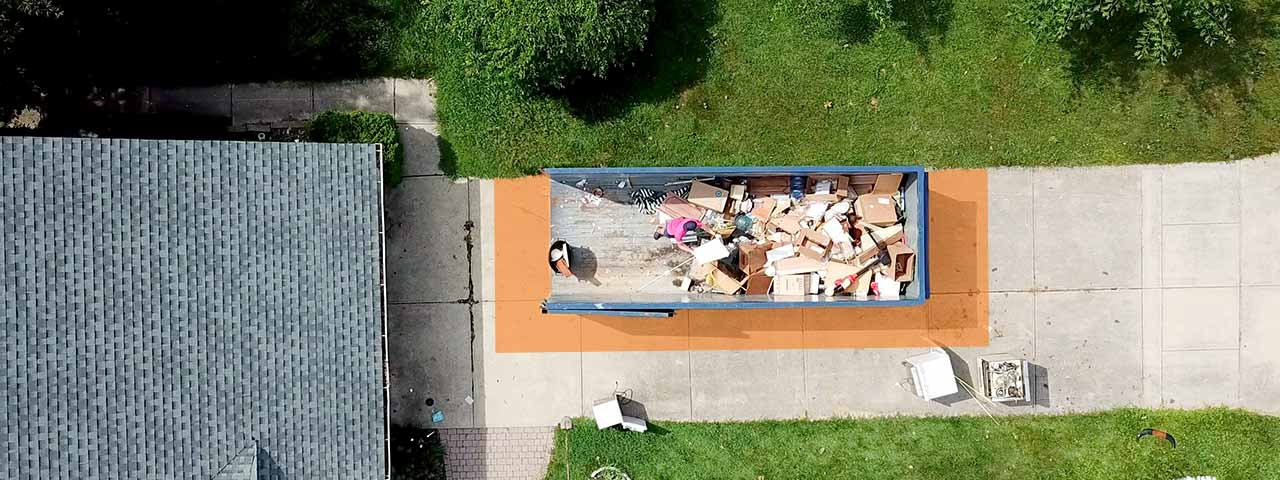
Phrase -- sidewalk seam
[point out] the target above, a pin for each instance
(1142, 281)
(1240, 280)
(1198, 349)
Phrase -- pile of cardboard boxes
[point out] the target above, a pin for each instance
(801, 235)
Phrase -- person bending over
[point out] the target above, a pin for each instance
(676, 230)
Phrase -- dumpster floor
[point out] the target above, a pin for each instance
(611, 243)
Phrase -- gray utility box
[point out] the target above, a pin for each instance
(1005, 378)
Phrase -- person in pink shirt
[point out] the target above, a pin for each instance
(677, 228)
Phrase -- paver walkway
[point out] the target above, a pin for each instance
(497, 453)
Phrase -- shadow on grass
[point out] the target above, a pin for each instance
(922, 22)
(673, 63)
(1103, 56)
(448, 157)
(855, 24)
(1220, 73)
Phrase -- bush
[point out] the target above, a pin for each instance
(363, 127)
(1157, 22)
(548, 44)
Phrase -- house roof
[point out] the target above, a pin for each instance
(168, 304)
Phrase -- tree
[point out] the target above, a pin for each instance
(1157, 21)
(15, 15)
(547, 44)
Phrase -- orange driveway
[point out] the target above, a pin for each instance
(955, 315)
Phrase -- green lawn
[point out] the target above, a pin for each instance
(1229, 444)
(747, 82)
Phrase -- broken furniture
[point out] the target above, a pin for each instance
(932, 375)
(770, 238)
(608, 413)
(1005, 378)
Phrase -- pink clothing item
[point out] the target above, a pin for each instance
(676, 230)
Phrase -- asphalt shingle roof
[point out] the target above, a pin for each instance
(166, 303)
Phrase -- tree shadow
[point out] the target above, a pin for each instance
(1103, 56)
(924, 21)
(674, 61)
(1218, 74)
(855, 24)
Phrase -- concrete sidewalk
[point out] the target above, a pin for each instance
(410, 101)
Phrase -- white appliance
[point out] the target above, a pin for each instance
(932, 375)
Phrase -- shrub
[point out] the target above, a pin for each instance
(1157, 22)
(547, 44)
(363, 127)
(881, 11)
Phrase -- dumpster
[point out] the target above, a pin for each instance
(646, 242)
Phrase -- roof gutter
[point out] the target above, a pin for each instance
(382, 280)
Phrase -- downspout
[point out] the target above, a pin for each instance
(382, 280)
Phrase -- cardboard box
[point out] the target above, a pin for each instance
(791, 284)
(904, 261)
(708, 197)
(763, 210)
(814, 252)
(676, 207)
(794, 265)
(862, 184)
(724, 283)
(814, 244)
(837, 271)
(821, 186)
(752, 257)
(809, 235)
(823, 198)
(764, 186)
(876, 209)
(887, 183)
(783, 202)
(779, 252)
(759, 284)
(863, 285)
(840, 184)
(790, 223)
(737, 192)
(871, 248)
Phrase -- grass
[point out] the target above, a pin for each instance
(950, 84)
(363, 127)
(1228, 444)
